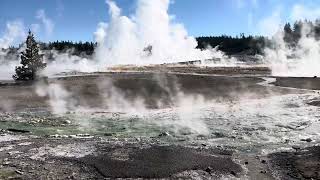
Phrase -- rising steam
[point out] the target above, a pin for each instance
(302, 60)
(149, 36)
(14, 32)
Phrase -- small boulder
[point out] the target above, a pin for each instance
(164, 134)
(307, 140)
(209, 170)
(17, 130)
(108, 134)
(296, 148)
(233, 173)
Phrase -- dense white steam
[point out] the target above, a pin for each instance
(14, 33)
(47, 23)
(185, 115)
(147, 37)
(59, 98)
(302, 60)
(181, 116)
(66, 62)
(184, 110)
(115, 101)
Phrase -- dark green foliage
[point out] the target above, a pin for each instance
(250, 45)
(292, 36)
(234, 45)
(31, 61)
(288, 35)
(78, 48)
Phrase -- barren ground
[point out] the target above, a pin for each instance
(35, 143)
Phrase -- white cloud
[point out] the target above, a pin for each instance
(268, 26)
(300, 12)
(100, 34)
(13, 33)
(48, 24)
(114, 10)
(271, 24)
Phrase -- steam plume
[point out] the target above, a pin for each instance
(302, 60)
(149, 36)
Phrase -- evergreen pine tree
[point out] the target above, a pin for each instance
(31, 61)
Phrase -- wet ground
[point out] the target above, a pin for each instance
(161, 122)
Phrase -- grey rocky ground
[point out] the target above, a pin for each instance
(36, 144)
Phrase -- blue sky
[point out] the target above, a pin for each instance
(77, 19)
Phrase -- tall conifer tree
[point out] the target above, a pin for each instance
(31, 61)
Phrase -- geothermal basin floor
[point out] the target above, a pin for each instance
(207, 125)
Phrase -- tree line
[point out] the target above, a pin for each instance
(249, 45)
(246, 45)
(76, 48)
(293, 33)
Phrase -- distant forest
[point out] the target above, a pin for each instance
(75, 48)
(250, 45)
(239, 45)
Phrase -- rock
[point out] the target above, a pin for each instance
(263, 172)
(164, 134)
(296, 148)
(17, 130)
(307, 140)
(83, 135)
(67, 122)
(108, 134)
(233, 173)
(209, 170)
(6, 163)
(219, 134)
(19, 172)
(263, 161)
(246, 163)
(262, 128)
